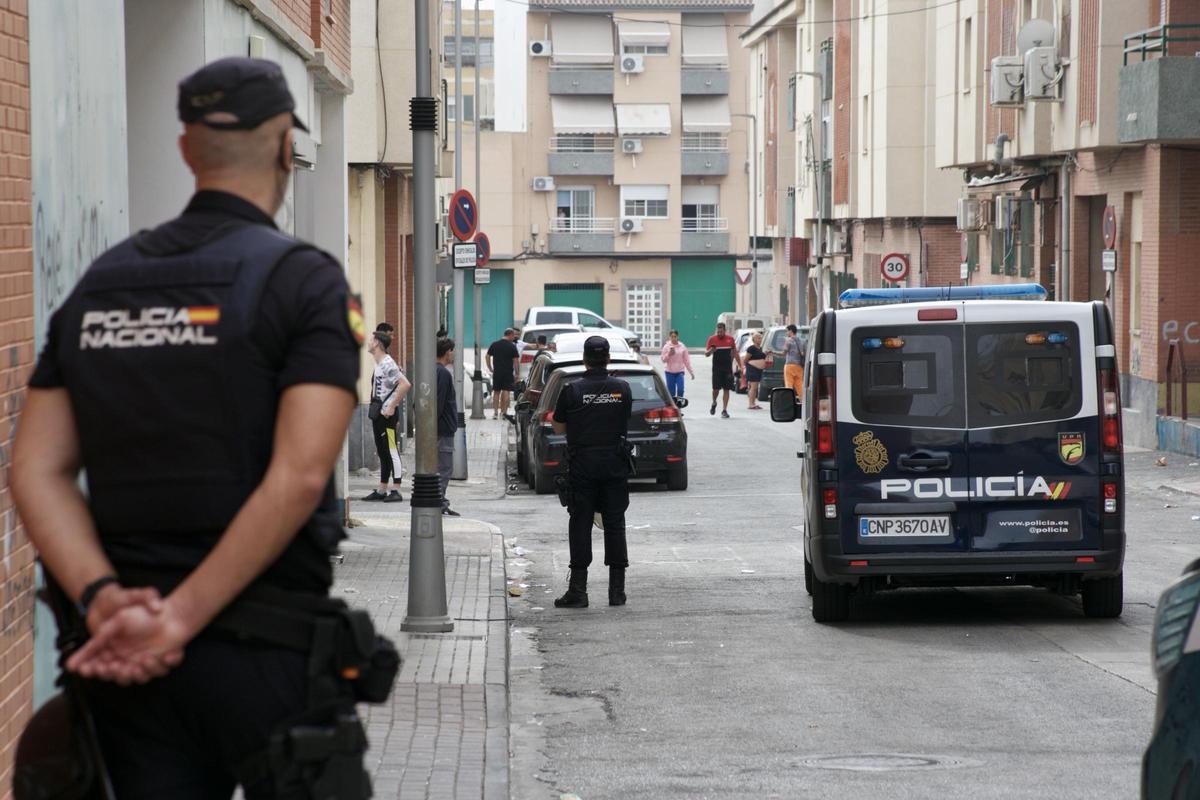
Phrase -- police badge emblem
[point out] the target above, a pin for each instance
(870, 453)
(1071, 448)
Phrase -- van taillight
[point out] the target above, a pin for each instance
(829, 500)
(825, 415)
(1110, 498)
(1110, 399)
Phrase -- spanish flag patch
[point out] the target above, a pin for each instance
(204, 315)
(354, 318)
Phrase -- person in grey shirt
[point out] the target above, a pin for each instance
(793, 361)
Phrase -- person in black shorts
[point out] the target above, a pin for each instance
(723, 350)
(501, 362)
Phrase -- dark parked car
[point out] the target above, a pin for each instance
(773, 341)
(655, 428)
(1169, 767)
(529, 392)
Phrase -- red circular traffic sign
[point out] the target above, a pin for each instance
(1110, 227)
(483, 249)
(464, 215)
(894, 267)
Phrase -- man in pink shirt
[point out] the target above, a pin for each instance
(675, 360)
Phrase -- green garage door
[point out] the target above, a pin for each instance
(497, 308)
(700, 290)
(579, 295)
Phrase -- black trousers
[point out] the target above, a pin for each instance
(595, 488)
(384, 430)
(185, 736)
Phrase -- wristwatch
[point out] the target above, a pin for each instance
(90, 591)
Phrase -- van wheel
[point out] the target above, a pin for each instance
(808, 577)
(1104, 598)
(830, 601)
(677, 479)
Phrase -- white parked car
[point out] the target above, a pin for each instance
(569, 315)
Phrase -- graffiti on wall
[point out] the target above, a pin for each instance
(1185, 331)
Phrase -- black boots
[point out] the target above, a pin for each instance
(576, 595)
(616, 586)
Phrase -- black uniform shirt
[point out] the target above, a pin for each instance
(595, 408)
(302, 332)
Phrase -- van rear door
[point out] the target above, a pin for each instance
(901, 432)
(1034, 427)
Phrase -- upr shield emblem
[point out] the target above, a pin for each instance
(870, 453)
(1071, 448)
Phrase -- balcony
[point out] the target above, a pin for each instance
(1158, 101)
(581, 80)
(707, 80)
(705, 235)
(704, 154)
(582, 235)
(581, 154)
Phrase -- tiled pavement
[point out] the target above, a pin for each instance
(444, 731)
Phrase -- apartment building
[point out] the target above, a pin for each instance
(615, 166)
(1073, 126)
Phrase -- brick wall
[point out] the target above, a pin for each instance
(298, 12)
(16, 359)
(391, 252)
(1002, 23)
(329, 22)
(1089, 55)
(842, 100)
(1180, 12)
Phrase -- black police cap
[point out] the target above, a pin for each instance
(595, 345)
(240, 92)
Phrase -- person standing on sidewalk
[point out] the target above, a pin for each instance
(593, 412)
(502, 360)
(203, 373)
(793, 362)
(675, 360)
(388, 389)
(723, 350)
(756, 362)
(447, 419)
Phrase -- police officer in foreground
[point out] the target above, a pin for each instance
(594, 414)
(203, 373)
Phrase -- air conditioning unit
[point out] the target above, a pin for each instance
(1007, 211)
(633, 64)
(837, 243)
(631, 146)
(1043, 74)
(972, 214)
(1008, 81)
(543, 183)
(631, 224)
(444, 234)
(539, 48)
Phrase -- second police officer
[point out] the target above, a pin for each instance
(594, 414)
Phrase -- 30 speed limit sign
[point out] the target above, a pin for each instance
(894, 267)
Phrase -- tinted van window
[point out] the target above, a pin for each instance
(553, 318)
(1019, 373)
(909, 376)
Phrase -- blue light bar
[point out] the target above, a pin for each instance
(859, 298)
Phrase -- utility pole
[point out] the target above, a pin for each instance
(819, 169)
(427, 612)
(459, 470)
(753, 211)
(477, 378)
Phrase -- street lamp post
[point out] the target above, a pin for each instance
(753, 210)
(477, 376)
(459, 468)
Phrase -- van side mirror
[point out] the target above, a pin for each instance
(785, 406)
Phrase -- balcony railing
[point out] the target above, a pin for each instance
(583, 225)
(705, 225)
(704, 143)
(581, 144)
(1157, 41)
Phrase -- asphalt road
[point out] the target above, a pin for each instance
(714, 681)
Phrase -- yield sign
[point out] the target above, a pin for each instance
(743, 274)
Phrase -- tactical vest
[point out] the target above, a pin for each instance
(174, 402)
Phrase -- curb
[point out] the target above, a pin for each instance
(496, 680)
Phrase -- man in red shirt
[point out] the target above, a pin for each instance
(723, 350)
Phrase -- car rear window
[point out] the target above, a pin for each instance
(553, 318)
(531, 336)
(1018, 373)
(643, 385)
(777, 340)
(909, 375)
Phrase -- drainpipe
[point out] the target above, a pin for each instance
(1064, 260)
(998, 156)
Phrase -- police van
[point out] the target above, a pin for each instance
(958, 436)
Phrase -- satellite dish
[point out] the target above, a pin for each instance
(1035, 33)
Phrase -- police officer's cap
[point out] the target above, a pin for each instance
(595, 346)
(236, 93)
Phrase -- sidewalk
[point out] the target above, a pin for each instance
(444, 731)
